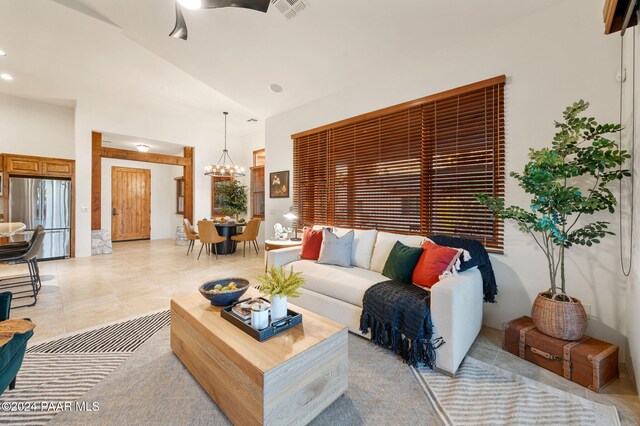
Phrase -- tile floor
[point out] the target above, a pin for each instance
(139, 277)
(143, 276)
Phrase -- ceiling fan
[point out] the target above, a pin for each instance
(289, 8)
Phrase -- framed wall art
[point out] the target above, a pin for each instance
(279, 184)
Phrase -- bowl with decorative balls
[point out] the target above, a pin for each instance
(224, 292)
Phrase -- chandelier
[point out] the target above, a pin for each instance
(222, 168)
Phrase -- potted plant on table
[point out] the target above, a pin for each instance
(278, 286)
(233, 198)
(566, 182)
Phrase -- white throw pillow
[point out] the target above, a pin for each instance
(385, 242)
(336, 250)
(364, 241)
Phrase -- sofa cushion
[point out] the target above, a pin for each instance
(385, 242)
(336, 250)
(346, 284)
(364, 240)
(401, 262)
(435, 262)
(311, 243)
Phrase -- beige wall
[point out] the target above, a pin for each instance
(34, 128)
(633, 294)
(551, 59)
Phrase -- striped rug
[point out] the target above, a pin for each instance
(57, 373)
(482, 394)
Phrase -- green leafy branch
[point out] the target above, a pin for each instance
(233, 197)
(277, 282)
(566, 181)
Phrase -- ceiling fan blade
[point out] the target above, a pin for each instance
(259, 5)
(180, 30)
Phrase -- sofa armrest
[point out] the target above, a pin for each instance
(281, 257)
(456, 311)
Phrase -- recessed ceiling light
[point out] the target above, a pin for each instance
(143, 148)
(191, 4)
(6, 76)
(3, 53)
(275, 88)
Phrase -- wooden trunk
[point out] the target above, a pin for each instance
(589, 362)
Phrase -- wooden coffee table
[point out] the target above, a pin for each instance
(288, 379)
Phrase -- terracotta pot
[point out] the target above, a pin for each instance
(559, 316)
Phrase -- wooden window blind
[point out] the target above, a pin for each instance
(412, 168)
(375, 173)
(464, 156)
(311, 171)
(257, 192)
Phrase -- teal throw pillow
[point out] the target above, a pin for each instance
(401, 262)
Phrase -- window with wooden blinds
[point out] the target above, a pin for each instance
(311, 169)
(375, 173)
(411, 168)
(257, 192)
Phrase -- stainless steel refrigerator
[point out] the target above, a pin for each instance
(45, 202)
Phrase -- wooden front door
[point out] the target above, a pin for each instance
(130, 204)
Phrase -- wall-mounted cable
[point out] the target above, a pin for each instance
(627, 270)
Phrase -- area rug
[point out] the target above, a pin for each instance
(125, 373)
(482, 394)
(58, 372)
(152, 387)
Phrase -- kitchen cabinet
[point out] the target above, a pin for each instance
(38, 166)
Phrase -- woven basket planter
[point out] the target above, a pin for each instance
(563, 319)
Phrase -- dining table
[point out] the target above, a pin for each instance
(228, 230)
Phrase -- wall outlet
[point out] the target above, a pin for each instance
(587, 309)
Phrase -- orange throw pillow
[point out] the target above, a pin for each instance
(311, 243)
(435, 261)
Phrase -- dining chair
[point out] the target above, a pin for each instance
(191, 234)
(14, 251)
(208, 235)
(250, 234)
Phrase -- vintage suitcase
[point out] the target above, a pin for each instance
(589, 362)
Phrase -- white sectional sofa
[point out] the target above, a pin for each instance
(336, 292)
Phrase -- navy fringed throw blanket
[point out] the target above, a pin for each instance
(479, 258)
(399, 318)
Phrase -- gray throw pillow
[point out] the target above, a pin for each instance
(336, 250)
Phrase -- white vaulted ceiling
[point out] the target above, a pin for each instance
(234, 54)
(58, 55)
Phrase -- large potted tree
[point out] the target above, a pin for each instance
(233, 198)
(566, 182)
